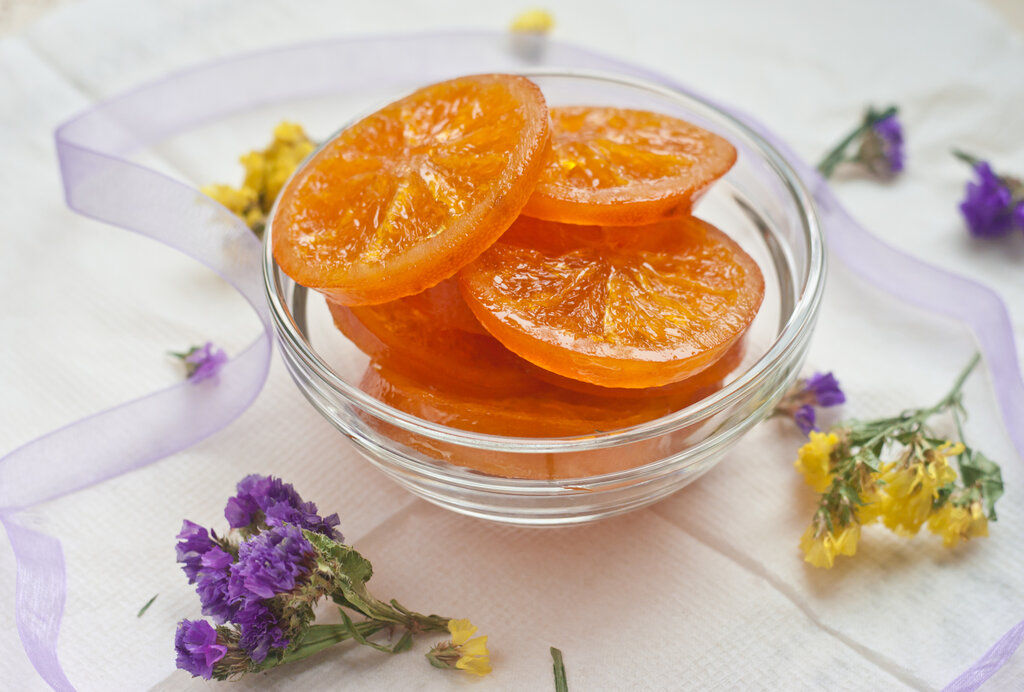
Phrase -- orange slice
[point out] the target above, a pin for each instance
(433, 334)
(540, 411)
(410, 194)
(620, 167)
(615, 306)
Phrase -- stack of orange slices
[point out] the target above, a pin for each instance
(519, 270)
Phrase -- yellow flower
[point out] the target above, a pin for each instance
(533, 21)
(266, 172)
(814, 460)
(821, 546)
(957, 524)
(473, 655)
(846, 542)
(239, 201)
(910, 489)
(871, 497)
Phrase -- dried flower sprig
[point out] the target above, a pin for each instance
(202, 362)
(266, 172)
(261, 582)
(916, 487)
(879, 140)
(820, 390)
(994, 204)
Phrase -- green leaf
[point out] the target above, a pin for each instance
(978, 469)
(144, 608)
(869, 458)
(561, 685)
(358, 636)
(319, 637)
(403, 644)
(356, 568)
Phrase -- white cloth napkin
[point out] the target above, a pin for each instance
(704, 590)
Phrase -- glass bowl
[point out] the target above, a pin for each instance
(761, 203)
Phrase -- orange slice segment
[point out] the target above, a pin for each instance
(615, 306)
(621, 167)
(408, 195)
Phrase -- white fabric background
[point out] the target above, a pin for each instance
(704, 590)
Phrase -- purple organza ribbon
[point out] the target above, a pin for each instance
(102, 183)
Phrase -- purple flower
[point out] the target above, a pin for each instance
(273, 562)
(1018, 215)
(824, 388)
(193, 544)
(259, 631)
(197, 647)
(805, 418)
(988, 205)
(886, 141)
(279, 503)
(820, 389)
(212, 585)
(270, 563)
(203, 362)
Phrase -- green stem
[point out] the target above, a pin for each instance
(561, 685)
(921, 415)
(319, 637)
(971, 161)
(835, 157)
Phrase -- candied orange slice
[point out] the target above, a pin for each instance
(408, 195)
(542, 410)
(615, 306)
(434, 334)
(621, 167)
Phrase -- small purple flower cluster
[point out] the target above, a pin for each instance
(879, 145)
(202, 362)
(891, 133)
(278, 503)
(820, 390)
(275, 559)
(994, 204)
(886, 138)
(197, 647)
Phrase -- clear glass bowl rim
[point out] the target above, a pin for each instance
(793, 334)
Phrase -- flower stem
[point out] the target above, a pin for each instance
(919, 416)
(319, 637)
(971, 161)
(835, 157)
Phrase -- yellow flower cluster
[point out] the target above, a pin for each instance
(957, 524)
(814, 460)
(266, 172)
(911, 486)
(917, 489)
(857, 487)
(821, 546)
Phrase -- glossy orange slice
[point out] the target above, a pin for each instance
(615, 306)
(408, 195)
(620, 167)
(542, 410)
(433, 334)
